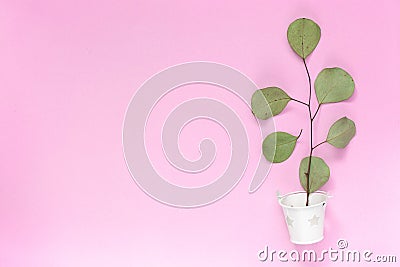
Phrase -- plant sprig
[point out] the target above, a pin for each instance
(332, 85)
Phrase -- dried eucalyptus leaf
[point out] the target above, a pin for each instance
(333, 85)
(278, 146)
(341, 132)
(319, 173)
(303, 36)
(268, 102)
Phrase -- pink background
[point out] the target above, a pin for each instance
(68, 71)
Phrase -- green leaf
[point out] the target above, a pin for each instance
(319, 173)
(278, 146)
(303, 36)
(268, 102)
(341, 132)
(333, 85)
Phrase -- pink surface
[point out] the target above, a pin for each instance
(68, 70)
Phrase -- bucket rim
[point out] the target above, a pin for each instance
(280, 199)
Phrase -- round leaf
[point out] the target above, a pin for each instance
(278, 146)
(333, 85)
(341, 132)
(319, 173)
(303, 36)
(268, 102)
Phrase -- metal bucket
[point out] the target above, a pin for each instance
(305, 223)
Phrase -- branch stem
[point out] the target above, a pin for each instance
(316, 112)
(319, 144)
(300, 134)
(311, 134)
(301, 102)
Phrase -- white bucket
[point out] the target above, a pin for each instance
(305, 223)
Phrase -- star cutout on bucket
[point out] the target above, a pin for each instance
(314, 220)
(289, 221)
